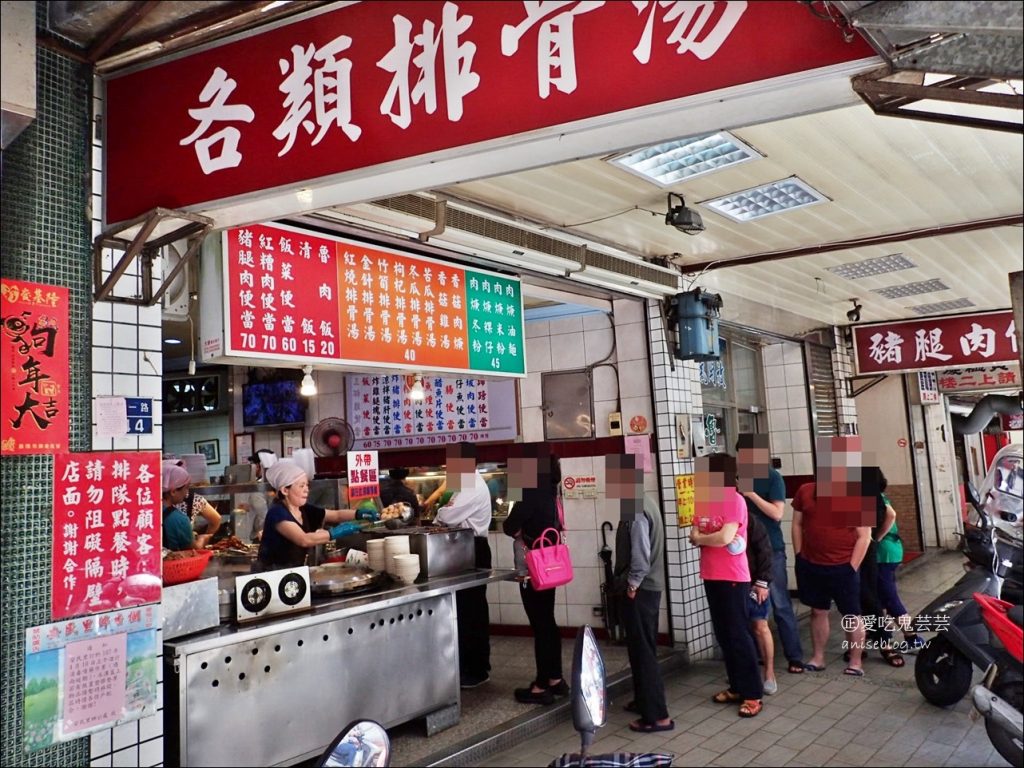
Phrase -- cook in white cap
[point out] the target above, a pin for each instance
(292, 525)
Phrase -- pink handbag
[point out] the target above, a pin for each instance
(549, 564)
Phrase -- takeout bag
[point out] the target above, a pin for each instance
(549, 564)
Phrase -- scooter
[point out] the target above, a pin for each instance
(944, 667)
(1000, 696)
(361, 743)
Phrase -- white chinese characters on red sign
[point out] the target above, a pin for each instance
(974, 379)
(371, 83)
(942, 342)
(363, 475)
(106, 532)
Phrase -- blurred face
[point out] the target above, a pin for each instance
(297, 493)
(178, 495)
(623, 484)
(459, 470)
(522, 473)
(751, 464)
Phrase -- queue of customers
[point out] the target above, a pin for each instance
(844, 540)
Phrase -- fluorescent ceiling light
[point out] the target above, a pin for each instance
(768, 199)
(855, 270)
(416, 391)
(683, 159)
(172, 340)
(911, 289)
(942, 306)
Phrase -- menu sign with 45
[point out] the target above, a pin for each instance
(296, 295)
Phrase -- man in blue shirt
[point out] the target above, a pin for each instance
(765, 492)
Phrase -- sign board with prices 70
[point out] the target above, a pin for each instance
(293, 295)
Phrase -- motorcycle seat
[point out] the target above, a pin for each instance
(1016, 615)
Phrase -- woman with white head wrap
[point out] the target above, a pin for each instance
(293, 525)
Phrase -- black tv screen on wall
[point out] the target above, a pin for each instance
(272, 403)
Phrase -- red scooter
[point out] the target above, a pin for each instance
(1000, 696)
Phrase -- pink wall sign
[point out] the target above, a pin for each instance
(374, 82)
(94, 677)
(106, 531)
(987, 338)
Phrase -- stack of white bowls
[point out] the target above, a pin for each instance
(407, 568)
(394, 545)
(375, 551)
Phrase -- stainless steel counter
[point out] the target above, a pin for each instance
(279, 691)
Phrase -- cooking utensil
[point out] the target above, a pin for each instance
(340, 578)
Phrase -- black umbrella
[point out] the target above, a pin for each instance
(609, 606)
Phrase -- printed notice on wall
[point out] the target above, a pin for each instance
(89, 673)
(363, 475)
(684, 499)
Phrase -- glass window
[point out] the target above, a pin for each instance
(733, 394)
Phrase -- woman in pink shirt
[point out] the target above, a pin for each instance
(720, 530)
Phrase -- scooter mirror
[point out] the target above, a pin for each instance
(589, 698)
(972, 494)
(361, 743)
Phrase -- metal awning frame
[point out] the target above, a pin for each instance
(141, 238)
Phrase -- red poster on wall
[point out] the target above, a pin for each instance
(106, 531)
(34, 360)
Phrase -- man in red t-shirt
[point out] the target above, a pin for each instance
(831, 534)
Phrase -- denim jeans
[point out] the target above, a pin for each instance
(782, 607)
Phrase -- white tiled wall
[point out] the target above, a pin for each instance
(788, 408)
(127, 361)
(621, 382)
(677, 391)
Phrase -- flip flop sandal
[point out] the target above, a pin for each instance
(751, 708)
(892, 657)
(853, 672)
(641, 727)
(726, 697)
(796, 668)
(814, 668)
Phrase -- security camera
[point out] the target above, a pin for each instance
(684, 219)
(854, 314)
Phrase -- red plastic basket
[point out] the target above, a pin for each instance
(186, 569)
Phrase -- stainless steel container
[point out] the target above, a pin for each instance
(442, 551)
(190, 607)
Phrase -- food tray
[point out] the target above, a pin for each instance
(185, 569)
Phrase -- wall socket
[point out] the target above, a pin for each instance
(615, 423)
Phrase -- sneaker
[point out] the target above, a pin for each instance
(472, 681)
(561, 688)
(528, 696)
(771, 687)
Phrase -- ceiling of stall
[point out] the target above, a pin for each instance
(948, 198)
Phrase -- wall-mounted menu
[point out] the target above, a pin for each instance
(295, 295)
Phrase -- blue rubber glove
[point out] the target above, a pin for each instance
(367, 514)
(344, 529)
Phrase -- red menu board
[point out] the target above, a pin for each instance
(296, 295)
(106, 531)
(34, 359)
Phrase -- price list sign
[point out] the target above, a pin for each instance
(295, 295)
(106, 531)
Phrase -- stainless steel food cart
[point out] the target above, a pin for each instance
(278, 692)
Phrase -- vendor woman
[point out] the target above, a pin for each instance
(177, 527)
(292, 526)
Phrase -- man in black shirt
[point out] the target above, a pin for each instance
(393, 489)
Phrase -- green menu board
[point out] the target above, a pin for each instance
(494, 314)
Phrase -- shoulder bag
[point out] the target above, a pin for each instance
(549, 563)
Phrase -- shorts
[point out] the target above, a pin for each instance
(758, 611)
(819, 585)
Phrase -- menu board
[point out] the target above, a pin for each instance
(311, 298)
(34, 358)
(106, 531)
(383, 415)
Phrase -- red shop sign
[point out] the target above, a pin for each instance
(375, 82)
(107, 529)
(986, 338)
(34, 359)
